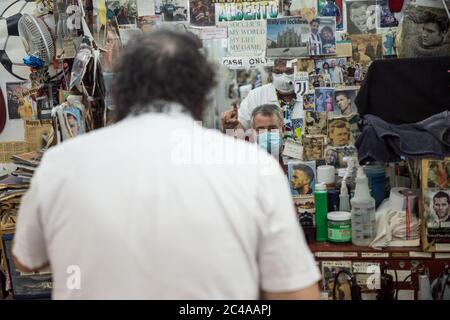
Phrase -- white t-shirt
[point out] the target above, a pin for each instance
(265, 94)
(133, 212)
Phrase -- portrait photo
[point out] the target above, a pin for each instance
(344, 102)
(361, 16)
(339, 133)
(331, 157)
(302, 177)
(438, 202)
(425, 33)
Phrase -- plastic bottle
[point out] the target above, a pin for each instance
(363, 212)
(344, 199)
(320, 197)
(424, 292)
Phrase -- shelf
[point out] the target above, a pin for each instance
(349, 251)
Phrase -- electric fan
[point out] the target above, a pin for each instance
(36, 37)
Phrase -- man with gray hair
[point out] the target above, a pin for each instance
(267, 123)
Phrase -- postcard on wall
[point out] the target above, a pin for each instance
(202, 13)
(302, 177)
(322, 39)
(307, 9)
(172, 10)
(324, 99)
(316, 123)
(435, 204)
(366, 48)
(287, 37)
(385, 18)
(309, 103)
(333, 8)
(388, 39)
(313, 147)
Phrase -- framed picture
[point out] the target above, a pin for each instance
(36, 285)
(435, 205)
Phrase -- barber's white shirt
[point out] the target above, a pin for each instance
(136, 212)
(265, 94)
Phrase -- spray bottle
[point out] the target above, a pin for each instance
(344, 199)
(363, 212)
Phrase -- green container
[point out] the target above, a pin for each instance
(321, 202)
(339, 226)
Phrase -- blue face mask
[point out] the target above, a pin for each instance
(270, 141)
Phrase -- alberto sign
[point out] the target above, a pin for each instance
(260, 10)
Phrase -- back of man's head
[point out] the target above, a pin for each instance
(159, 68)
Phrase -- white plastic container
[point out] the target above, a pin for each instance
(363, 212)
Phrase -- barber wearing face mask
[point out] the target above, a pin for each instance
(267, 123)
(280, 93)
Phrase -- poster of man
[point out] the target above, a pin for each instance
(435, 187)
(344, 102)
(302, 177)
(339, 133)
(287, 37)
(439, 209)
(361, 16)
(425, 33)
(202, 13)
(331, 8)
(329, 271)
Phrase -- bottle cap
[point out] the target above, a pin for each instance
(321, 186)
